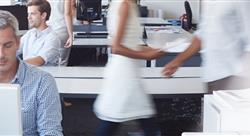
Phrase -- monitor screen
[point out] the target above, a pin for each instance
(89, 10)
(10, 115)
(20, 12)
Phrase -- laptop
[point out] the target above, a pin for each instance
(10, 115)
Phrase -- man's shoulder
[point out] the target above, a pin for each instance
(52, 35)
(29, 33)
(32, 30)
(33, 71)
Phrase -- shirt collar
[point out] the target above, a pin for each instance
(20, 74)
(39, 33)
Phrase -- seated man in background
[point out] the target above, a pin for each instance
(40, 45)
(41, 109)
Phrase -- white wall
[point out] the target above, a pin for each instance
(6, 2)
(172, 9)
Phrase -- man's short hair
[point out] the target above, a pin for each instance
(43, 6)
(8, 20)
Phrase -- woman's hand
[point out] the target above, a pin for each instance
(152, 53)
(69, 42)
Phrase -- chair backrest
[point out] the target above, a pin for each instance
(143, 11)
(89, 10)
(188, 14)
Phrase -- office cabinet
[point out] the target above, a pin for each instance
(224, 112)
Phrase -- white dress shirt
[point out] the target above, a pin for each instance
(44, 43)
(225, 33)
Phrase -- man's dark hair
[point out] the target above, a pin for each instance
(43, 6)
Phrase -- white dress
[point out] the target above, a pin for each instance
(58, 24)
(122, 97)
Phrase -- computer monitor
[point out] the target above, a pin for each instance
(10, 115)
(88, 10)
(20, 12)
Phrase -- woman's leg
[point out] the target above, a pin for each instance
(150, 127)
(107, 128)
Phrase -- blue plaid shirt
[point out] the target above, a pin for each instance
(41, 108)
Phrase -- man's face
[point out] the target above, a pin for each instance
(9, 44)
(35, 17)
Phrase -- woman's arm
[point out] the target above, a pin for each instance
(69, 23)
(171, 67)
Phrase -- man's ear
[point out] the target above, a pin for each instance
(44, 15)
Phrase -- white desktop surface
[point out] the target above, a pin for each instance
(91, 42)
(78, 72)
(152, 86)
(158, 37)
(10, 114)
(94, 42)
(88, 80)
(152, 20)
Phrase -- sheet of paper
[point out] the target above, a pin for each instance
(168, 30)
(177, 45)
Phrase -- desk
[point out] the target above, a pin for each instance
(153, 37)
(97, 72)
(152, 86)
(93, 42)
(153, 21)
(90, 42)
(88, 80)
(178, 96)
(157, 37)
(87, 51)
(89, 45)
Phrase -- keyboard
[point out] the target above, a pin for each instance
(91, 35)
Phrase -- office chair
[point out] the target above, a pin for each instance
(188, 14)
(88, 10)
(143, 11)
